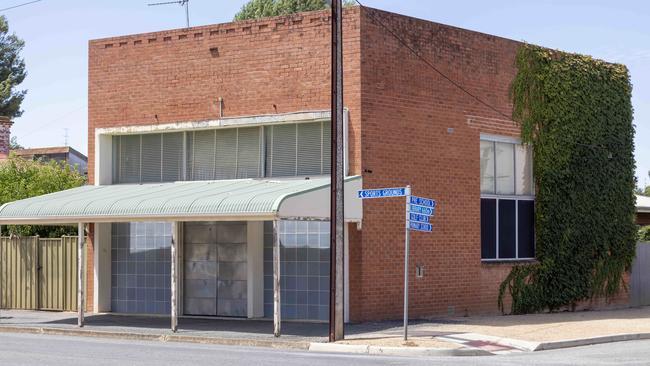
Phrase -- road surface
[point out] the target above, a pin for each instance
(29, 349)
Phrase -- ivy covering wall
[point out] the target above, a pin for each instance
(576, 112)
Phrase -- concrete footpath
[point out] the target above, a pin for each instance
(465, 336)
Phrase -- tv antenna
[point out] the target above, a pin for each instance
(66, 136)
(185, 3)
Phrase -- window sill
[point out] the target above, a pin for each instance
(509, 261)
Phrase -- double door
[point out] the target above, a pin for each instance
(215, 269)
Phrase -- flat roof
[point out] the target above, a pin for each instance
(48, 151)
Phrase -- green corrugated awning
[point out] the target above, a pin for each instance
(245, 199)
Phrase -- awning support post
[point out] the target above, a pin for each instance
(276, 278)
(80, 270)
(174, 255)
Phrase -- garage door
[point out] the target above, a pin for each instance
(215, 269)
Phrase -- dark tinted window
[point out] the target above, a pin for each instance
(507, 236)
(488, 228)
(526, 229)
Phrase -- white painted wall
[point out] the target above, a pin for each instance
(103, 159)
(316, 203)
(102, 268)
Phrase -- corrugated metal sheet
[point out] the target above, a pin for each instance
(18, 273)
(228, 198)
(38, 273)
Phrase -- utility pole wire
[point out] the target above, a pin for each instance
(19, 5)
(428, 63)
(454, 83)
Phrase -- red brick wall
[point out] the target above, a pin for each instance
(419, 129)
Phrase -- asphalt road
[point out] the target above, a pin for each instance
(23, 349)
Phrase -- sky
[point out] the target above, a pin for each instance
(56, 34)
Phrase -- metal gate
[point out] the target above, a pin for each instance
(215, 269)
(38, 274)
(640, 281)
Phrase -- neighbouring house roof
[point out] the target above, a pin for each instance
(642, 204)
(227, 200)
(49, 151)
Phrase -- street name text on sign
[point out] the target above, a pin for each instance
(419, 226)
(421, 210)
(419, 218)
(381, 193)
(427, 202)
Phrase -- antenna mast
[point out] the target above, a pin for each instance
(185, 3)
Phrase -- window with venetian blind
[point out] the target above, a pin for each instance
(282, 150)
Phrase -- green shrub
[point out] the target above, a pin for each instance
(644, 233)
(21, 178)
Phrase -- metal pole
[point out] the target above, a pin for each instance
(276, 279)
(80, 283)
(336, 205)
(406, 264)
(187, 12)
(174, 255)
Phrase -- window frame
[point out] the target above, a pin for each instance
(188, 152)
(516, 199)
(509, 197)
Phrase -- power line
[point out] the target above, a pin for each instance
(39, 127)
(454, 83)
(428, 63)
(19, 5)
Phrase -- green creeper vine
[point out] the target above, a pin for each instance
(576, 112)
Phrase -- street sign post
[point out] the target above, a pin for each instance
(418, 213)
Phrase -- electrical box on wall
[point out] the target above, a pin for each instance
(419, 271)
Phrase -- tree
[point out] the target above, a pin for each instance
(12, 71)
(21, 178)
(14, 145)
(255, 9)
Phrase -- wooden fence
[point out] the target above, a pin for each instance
(38, 273)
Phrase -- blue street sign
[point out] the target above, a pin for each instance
(420, 226)
(418, 217)
(422, 210)
(382, 192)
(427, 202)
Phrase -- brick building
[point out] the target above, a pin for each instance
(5, 137)
(251, 99)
